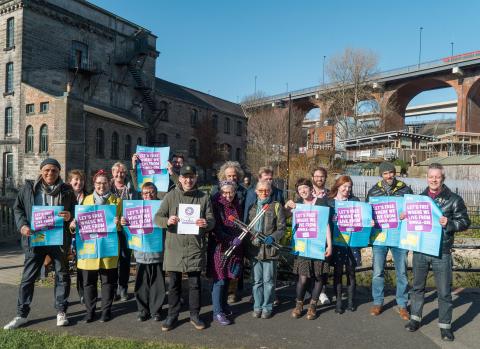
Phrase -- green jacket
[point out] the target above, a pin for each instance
(184, 253)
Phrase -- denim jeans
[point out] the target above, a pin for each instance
(34, 257)
(378, 280)
(220, 296)
(264, 276)
(442, 273)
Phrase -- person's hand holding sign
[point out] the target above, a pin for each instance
(201, 222)
(443, 221)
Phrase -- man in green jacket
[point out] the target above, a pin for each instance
(184, 253)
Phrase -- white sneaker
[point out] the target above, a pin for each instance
(324, 299)
(15, 323)
(62, 319)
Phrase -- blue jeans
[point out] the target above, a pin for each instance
(378, 280)
(220, 296)
(442, 272)
(264, 275)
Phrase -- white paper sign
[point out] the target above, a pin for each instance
(188, 215)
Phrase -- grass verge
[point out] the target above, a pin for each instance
(23, 338)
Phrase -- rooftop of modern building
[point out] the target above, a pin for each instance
(453, 160)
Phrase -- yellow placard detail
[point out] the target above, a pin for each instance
(40, 237)
(88, 248)
(300, 246)
(411, 240)
(381, 236)
(136, 241)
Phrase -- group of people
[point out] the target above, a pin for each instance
(229, 203)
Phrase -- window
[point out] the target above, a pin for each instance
(238, 155)
(79, 55)
(163, 114)
(239, 128)
(100, 143)
(128, 147)
(44, 107)
(30, 108)
(9, 78)
(194, 118)
(139, 141)
(8, 121)
(192, 148)
(226, 126)
(114, 150)
(9, 165)
(161, 140)
(44, 139)
(10, 41)
(215, 121)
(29, 140)
(328, 136)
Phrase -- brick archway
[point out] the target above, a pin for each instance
(471, 104)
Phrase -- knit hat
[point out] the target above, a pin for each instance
(50, 161)
(386, 166)
(221, 184)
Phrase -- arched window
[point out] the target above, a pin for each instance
(44, 139)
(163, 114)
(100, 143)
(29, 140)
(192, 148)
(194, 118)
(128, 147)
(114, 150)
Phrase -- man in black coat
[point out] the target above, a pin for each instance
(455, 219)
(47, 190)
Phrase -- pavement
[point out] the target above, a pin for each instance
(349, 330)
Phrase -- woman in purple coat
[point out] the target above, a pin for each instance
(225, 234)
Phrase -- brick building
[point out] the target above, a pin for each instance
(79, 85)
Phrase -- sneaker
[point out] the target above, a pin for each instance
(257, 314)
(197, 322)
(266, 314)
(412, 326)
(324, 298)
(222, 319)
(447, 334)
(62, 319)
(156, 317)
(169, 323)
(15, 323)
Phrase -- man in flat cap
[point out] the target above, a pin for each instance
(184, 253)
(389, 185)
(47, 190)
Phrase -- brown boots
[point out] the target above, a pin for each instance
(311, 313)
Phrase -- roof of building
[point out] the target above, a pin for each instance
(195, 97)
(453, 160)
(377, 137)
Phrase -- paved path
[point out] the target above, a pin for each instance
(350, 330)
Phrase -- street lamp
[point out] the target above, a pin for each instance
(288, 138)
(420, 48)
(323, 71)
(255, 88)
(451, 44)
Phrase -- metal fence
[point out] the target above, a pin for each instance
(8, 231)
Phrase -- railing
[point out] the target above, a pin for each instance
(8, 232)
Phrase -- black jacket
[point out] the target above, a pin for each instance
(454, 209)
(22, 208)
(399, 188)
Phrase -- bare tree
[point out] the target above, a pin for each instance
(351, 99)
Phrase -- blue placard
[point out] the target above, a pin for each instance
(386, 214)
(353, 225)
(309, 230)
(152, 167)
(142, 232)
(96, 231)
(421, 230)
(47, 226)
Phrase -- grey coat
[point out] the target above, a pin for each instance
(184, 253)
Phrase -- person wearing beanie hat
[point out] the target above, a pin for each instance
(47, 190)
(389, 185)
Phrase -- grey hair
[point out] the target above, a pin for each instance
(230, 164)
(265, 184)
(119, 164)
(437, 166)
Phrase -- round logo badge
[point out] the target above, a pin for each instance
(189, 211)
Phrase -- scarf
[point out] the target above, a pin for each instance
(51, 194)
(260, 204)
(227, 209)
(100, 199)
(387, 187)
(121, 193)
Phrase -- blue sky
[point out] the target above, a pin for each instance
(220, 46)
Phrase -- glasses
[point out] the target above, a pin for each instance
(101, 183)
(263, 191)
(152, 193)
